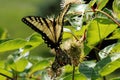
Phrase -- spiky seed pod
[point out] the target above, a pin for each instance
(66, 2)
(74, 49)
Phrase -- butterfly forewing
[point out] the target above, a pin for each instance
(48, 29)
(50, 32)
(59, 30)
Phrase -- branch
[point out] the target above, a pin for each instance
(109, 17)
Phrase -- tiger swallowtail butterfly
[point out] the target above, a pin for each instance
(51, 31)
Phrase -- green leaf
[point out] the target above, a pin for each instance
(80, 32)
(118, 78)
(12, 45)
(4, 40)
(2, 64)
(3, 33)
(115, 34)
(87, 69)
(111, 49)
(101, 3)
(45, 76)
(110, 67)
(102, 63)
(106, 51)
(68, 69)
(116, 8)
(19, 65)
(87, 49)
(92, 2)
(34, 41)
(99, 29)
(10, 60)
(2, 78)
(108, 64)
(73, 32)
(40, 66)
(67, 35)
(116, 48)
(76, 77)
(5, 72)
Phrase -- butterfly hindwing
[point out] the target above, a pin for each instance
(50, 32)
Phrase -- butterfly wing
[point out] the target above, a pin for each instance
(50, 31)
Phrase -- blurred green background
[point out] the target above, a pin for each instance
(12, 11)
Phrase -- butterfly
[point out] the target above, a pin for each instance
(51, 31)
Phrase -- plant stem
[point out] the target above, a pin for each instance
(6, 76)
(109, 17)
(104, 78)
(73, 72)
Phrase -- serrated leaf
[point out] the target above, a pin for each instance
(101, 3)
(98, 29)
(12, 45)
(40, 66)
(19, 65)
(5, 72)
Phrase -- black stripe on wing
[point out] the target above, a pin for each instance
(37, 20)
